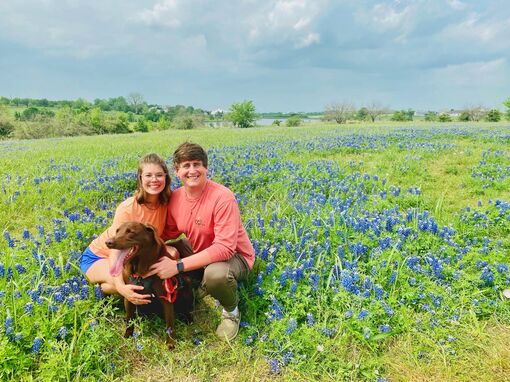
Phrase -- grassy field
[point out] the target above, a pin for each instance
(382, 253)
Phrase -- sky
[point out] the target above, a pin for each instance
(292, 55)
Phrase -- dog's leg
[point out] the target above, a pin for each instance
(168, 310)
(130, 315)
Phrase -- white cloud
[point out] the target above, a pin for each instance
(164, 13)
(386, 17)
(308, 40)
(471, 74)
(456, 4)
(474, 29)
(284, 21)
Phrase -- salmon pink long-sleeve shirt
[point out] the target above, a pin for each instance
(212, 224)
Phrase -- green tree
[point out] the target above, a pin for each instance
(242, 114)
(119, 125)
(141, 125)
(363, 114)
(6, 126)
(403, 115)
(430, 116)
(444, 117)
(97, 121)
(464, 117)
(162, 123)
(494, 115)
(507, 105)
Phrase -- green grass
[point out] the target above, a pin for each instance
(443, 175)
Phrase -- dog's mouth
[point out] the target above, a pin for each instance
(123, 258)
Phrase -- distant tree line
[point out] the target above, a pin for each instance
(37, 118)
(342, 112)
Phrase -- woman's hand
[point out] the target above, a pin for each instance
(129, 292)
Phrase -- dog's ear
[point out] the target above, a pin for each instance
(150, 228)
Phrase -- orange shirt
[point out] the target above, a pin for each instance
(212, 224)
(127, 211)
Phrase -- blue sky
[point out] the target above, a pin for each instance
(293, 55)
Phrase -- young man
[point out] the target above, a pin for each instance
(207, 214)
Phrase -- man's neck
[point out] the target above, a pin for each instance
(195, 192)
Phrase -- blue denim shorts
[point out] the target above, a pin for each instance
(87, 259)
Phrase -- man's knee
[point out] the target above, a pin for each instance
(217, 275)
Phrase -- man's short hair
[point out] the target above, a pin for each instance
(188, 151)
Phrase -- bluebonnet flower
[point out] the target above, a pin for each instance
(348, 313)
(292, 326)
(314, 281)
(29, 308)
(26, 234)
(8, 326)
(59, 297)
(20, 268)
(62, 333)
(487, 276)
(275, 310)
(274, 366)
(328, 332)
(250, 339)
(36, 345)
(310, 320)
(384, 328)
(196, 341)
(18, 337)
(10, 241)
(287, 357)
(362, 314)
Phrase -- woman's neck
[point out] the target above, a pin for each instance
(152, 200)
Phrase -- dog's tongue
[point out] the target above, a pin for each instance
(116, 269)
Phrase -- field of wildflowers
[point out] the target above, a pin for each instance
(363, 236)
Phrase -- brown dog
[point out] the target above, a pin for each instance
(140, 248)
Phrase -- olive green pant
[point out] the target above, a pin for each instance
(219, 279)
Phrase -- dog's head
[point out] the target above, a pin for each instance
(139, 246)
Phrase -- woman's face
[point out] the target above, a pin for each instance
(153, 179)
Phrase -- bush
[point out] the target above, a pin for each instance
(186, 121)
(493, 115)
(141, 125)
(293, 121)
(444, 117)
(430, 116)
(6, 128)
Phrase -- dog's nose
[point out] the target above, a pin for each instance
(109, 242)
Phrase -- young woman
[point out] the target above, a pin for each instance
(148, 205)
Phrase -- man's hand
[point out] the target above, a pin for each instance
(128, 291)
(173, 252)
(164, 268)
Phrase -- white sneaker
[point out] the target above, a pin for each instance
(229, 326)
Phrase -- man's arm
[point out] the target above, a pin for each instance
(227, 220)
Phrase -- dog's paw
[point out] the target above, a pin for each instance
(129, 332)
(170, 343)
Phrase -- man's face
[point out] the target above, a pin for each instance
(192, 174)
